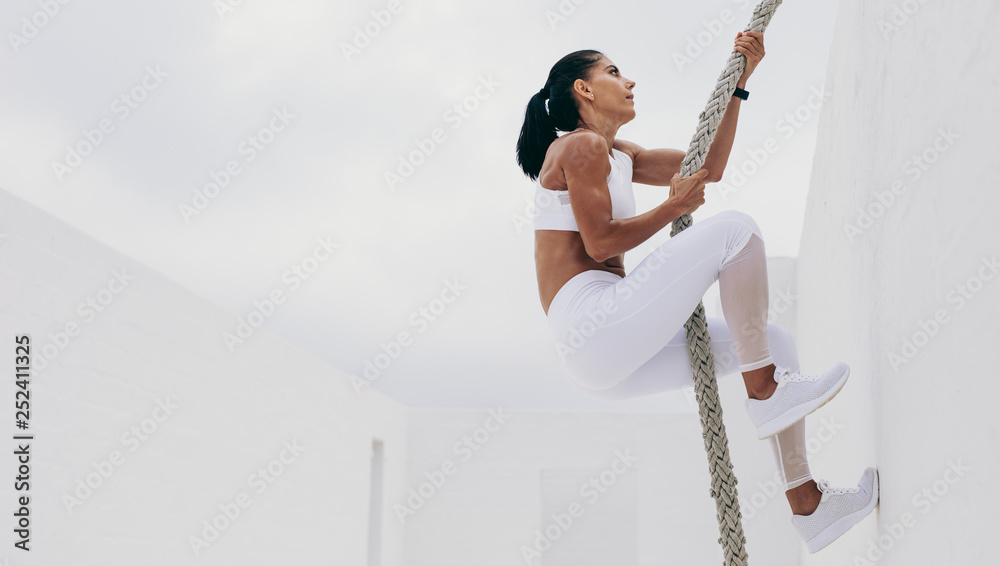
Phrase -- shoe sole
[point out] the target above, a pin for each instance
(799, 412)
(843, 524)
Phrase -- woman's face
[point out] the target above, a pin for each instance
(612, 92)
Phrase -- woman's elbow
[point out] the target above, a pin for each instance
(597, 251)
(599, 257)
(598, 240)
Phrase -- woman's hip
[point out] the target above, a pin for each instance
(591, 344)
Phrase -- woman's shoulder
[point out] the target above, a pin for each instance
(628, 148)
(577, 145)
(571, 147)
(591, 143)
(583, 139)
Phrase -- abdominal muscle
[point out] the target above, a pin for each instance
(559, 256)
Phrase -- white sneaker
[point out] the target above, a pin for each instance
(797, 395)
(838, 510)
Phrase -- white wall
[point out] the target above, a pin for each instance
(229, 414)
(534, 464)
(900, 73)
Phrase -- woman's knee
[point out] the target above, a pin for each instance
(740, 218)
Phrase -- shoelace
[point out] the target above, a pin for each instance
(783, 374)
(824, 486)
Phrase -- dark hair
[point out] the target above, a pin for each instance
(539, 128)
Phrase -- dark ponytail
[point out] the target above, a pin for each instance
(539, 128)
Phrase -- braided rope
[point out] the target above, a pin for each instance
(723, 490)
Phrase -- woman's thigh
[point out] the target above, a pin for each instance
(615, 333)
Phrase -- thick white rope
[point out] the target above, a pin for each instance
(723, 490)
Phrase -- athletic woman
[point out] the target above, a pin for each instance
(619, 335)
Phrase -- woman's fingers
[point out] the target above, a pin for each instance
(751, 39)
(750, 46)
(753, 55)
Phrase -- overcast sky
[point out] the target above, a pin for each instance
(299, 110)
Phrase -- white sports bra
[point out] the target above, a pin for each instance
(552, 208)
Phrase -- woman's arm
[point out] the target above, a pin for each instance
(652, 166)
(603, 236)
(751, 45)
(722, 145)
(657, 166)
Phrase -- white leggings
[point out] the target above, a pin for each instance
(619, 338)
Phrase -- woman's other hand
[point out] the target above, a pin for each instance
(688, 193)
(750, 44)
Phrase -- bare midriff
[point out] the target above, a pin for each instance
(560, 256)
